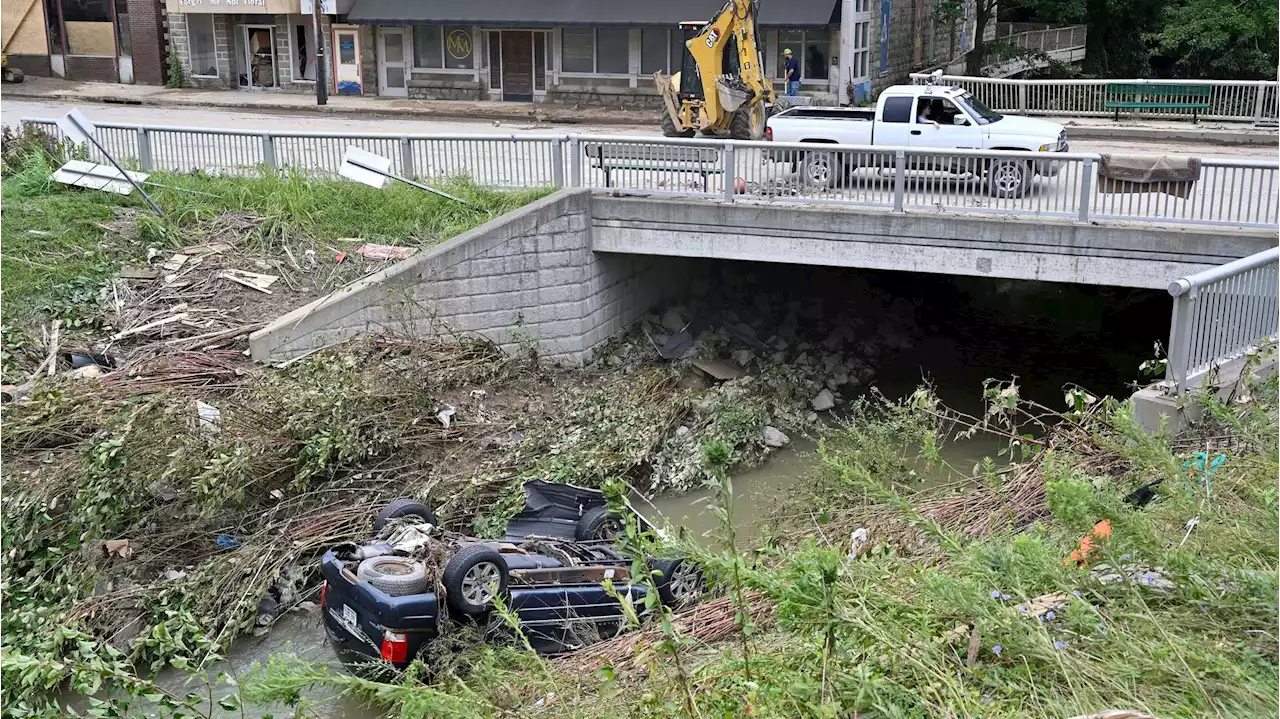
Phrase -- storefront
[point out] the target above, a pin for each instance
(83, 39)
(554, 51)
(250, 44)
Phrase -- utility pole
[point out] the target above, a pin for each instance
(322, 83)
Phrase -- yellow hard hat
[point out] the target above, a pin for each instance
(787, 51)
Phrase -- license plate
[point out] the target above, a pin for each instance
(349, 615)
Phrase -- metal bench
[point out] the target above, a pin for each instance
(1126, 96)
(702, 161)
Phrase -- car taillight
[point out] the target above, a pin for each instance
(395, 646)
(768, 134)
(324, 592)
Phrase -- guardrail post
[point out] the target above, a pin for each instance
(1022, 97)
(269, 151)
(728, 171)
(1259, 102)
(557, 163)
(1086, 188)
(575, 161)
(1180, 340)
(899, 179)
(406, 157)
(144, 150)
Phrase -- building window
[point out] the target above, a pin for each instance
(661, 50)
(861, 51)
(449, 46)
(578, 49)
(204, 56)
(54, 26)
(613, 50)
(303, 67)
(89, 28)
(603, 51)
(812, 49)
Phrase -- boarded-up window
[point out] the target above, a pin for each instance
(495, 62)
(539, 61)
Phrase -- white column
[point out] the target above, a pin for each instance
(633, 55)
(846, 50)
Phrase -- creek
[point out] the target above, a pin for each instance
(958, 333)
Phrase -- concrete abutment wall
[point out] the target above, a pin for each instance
(529, 276)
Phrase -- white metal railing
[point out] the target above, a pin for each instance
(1219, 315)
(1239, 193)
(1048, 39)
(1241, 100)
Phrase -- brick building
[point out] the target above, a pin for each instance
(103, 40)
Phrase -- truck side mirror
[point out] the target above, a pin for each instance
(959, 120)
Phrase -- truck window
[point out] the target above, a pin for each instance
(897, 109)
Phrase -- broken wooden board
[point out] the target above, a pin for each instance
(252, 280)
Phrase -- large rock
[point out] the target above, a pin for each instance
(673, 320)
(775, 438)
(823, 401)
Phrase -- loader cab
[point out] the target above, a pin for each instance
(690, 78)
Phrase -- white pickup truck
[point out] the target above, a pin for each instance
(922, 117)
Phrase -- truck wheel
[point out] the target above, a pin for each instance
(679, 581)
(669, 127)
(1008, 178)
(748, 122)
(397, 576)
(597, 524)
(473, 578)
(821, 169)
(403, 507)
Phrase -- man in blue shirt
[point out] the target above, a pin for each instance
(793, 73)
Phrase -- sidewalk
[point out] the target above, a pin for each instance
(1091, 128)
(43, 88)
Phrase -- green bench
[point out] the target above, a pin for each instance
(694, 160)
(1125, 96)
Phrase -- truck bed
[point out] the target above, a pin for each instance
(843, 125)
(857, 114)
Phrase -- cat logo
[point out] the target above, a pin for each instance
(713, 37)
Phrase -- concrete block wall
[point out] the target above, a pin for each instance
(527, 277)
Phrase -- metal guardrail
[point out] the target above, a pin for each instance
(1238, 193)
(1239, 100)
(1220, 315)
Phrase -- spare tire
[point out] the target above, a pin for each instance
(472, 578)
(397, 576)
(597, 524)
(403, 507)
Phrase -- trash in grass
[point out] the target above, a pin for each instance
(252, 280)
(384, 252)
(118, 547)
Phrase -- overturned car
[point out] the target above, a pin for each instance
(387, 599)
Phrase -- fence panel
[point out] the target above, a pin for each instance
(508, 161)
(1241, 193)
(1219, 314)
(212, 151)
(321, 155)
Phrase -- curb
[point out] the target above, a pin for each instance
(1208, 137)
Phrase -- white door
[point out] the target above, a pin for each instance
(347, 76)
(894, 121)
(393, 61)
(955, 129)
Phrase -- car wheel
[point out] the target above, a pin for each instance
(820, 169)
(397, 576)
(1007, 178)
(598, 524)
(473, 577)
(403, 507)
(679, 581)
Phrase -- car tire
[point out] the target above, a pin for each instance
(679, 581)
(1008, 179)
(403, 507)
(820, 169)
(472, 578)
(597, 524)
(396, 576)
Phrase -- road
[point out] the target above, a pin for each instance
(13, 110)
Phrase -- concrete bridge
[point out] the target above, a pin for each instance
(575, 268)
